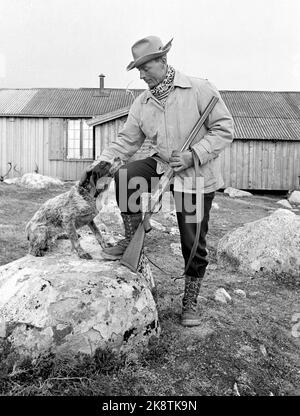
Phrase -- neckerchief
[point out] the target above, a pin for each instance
(163, 89)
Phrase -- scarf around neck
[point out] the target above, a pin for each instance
(163, 89)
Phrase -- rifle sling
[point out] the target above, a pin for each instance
(198, 228)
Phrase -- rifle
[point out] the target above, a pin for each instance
(132, 254)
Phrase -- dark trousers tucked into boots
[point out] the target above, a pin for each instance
(196, 270)
(146, 168)
(188, 233)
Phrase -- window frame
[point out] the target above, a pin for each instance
(81, 138)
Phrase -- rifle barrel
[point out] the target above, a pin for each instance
(199, 123)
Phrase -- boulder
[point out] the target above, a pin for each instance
(157, 225)
(174, 231)
(294, 198)
(222, 296)
(240, 292)
(12, 181)
(271, 244)
(171, 216)
(37, 181)
(285, 203)
(263, 350)
(236, 193)
(64, 304)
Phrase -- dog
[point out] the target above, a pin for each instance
(65, 213)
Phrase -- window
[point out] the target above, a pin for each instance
(80, 140)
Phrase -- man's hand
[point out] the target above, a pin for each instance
(86, 174)
(180, 161)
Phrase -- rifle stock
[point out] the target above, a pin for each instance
(132, 254)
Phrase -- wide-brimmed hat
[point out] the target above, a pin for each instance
(146, 49)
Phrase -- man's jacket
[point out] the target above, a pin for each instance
(167, 129)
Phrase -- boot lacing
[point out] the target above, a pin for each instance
(131, 223)
(191, 292)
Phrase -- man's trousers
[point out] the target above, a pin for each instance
(128, 189)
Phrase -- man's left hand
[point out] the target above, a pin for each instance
(180, 161)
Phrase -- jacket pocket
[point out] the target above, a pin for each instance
(208, 173)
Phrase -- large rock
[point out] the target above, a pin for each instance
(285, 203)
(37, 181)
(222, 296)
(65, 304)
(294, 198)
(271, 244)
(12, 181)
(236, 193)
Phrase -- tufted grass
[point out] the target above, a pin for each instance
(246, 346)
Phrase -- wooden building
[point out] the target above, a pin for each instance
(46, 128)
(61, 130)
(266, 151)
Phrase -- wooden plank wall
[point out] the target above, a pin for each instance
(104, 134)
(252, 164)
(261, 164)
(25, 142)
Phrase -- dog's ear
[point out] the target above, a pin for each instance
(93, 180)
(100, 170)
(85, 178)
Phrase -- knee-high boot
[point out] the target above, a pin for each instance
(131, 223)
(189, 315)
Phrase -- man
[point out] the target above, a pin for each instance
(166, 114)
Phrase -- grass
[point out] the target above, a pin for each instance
(245, 346)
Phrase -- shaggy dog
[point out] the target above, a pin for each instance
(71, 210)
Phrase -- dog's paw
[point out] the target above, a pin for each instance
(85, 256)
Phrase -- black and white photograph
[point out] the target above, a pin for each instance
(149, 203)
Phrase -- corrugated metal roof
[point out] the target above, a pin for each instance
(267, 128)
(63, 102)
(13, 101)
(104, 118)
(264, 104)
(257, 114)
(264, 114)
(87, 102)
